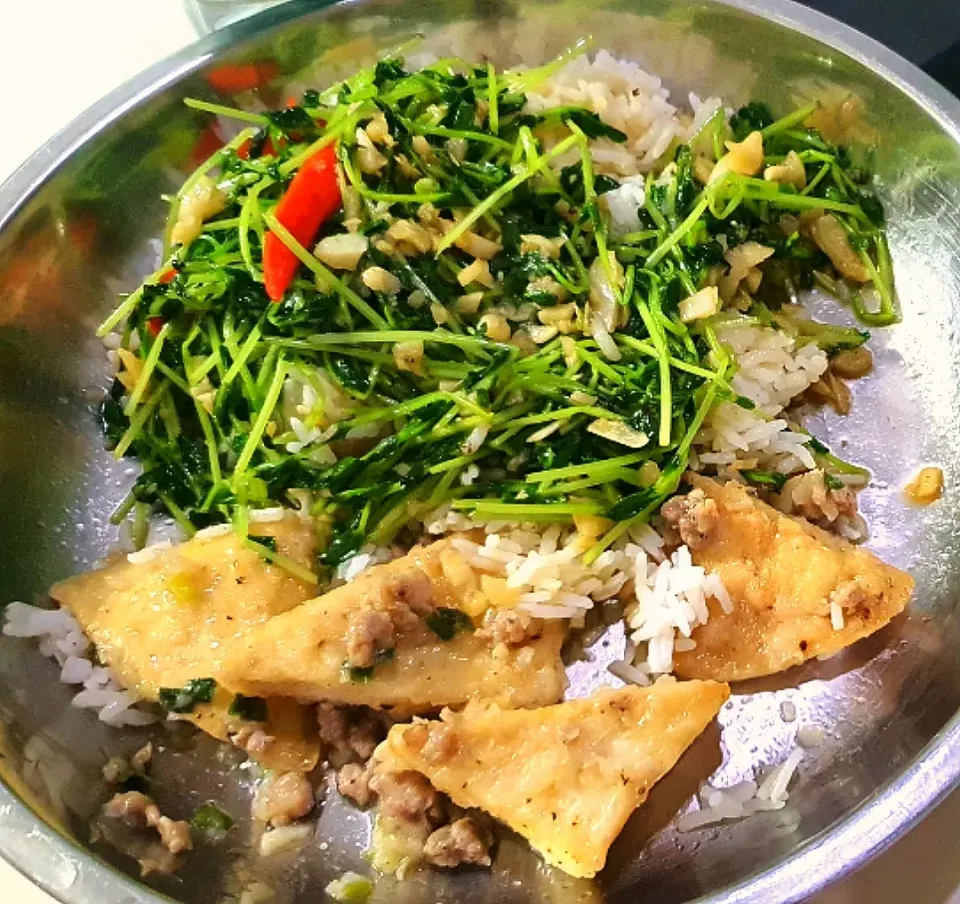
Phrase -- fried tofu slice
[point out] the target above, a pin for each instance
(565, 777)
(786, 578)
(408, 636)
(172, 619)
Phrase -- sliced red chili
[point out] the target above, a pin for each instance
(232, 78)
(268, 149)
(154, 325)
(207, 144)
(82, 231)
(311, 198)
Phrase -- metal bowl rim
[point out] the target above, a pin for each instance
(833, 853)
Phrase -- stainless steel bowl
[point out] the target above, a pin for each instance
(75, 228)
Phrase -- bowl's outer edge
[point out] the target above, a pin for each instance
(867, 831)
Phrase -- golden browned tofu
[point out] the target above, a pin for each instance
(565, 777)
(399, 637)
(790, 583)
(164, 622)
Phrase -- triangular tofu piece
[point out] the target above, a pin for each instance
(309, 654)
(797, 591)
(170, 617)
(565, 777)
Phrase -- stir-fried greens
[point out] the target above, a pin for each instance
(409, 290)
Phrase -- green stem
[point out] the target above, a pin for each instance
(496, 197)
(148, 367)
(483, 508)
(260, 424)
(287, 564)
(221, 110)
(306, 258)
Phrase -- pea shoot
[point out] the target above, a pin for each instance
(409, 290)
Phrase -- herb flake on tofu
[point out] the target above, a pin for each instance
(448, 623)
(184, 699)
(250, 709)
(366, 674)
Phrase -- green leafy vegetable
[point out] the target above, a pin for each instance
(589, 123)
(269, 543)
(832, 481)
(753, 117)
(184, 699)
(365, 675)
(211, 822)
(448, 623)
(350, 888)
(771, 480)
(370, 395)
(250, 709)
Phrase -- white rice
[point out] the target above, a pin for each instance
(148, 553)
(267, 515)
(365, 558)
(61, 637)
(627, 98)
(546, 568)
(213, 531)
(671, 600)
(772, 371)
(623, 206)
(836, 616)
(716, 805)
(474, 440)
(810, 736)
(788, 711)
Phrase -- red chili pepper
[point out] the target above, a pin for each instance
(168, 275)
(155, 324)
(268, 149)
(207, 144)
(235, 77)
(312, 197)
(82, 232)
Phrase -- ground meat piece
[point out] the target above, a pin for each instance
(334, 724)
(368, 633)
(353, 781)
(254, 741)
(135, 809)
(283, 798)
(174, 834)
(412, 591)
(441, 743)
(400, 603)
(809, 496)
(463, 841)
(507, 626)
(366, 731)
(852, 364)
(407, 796)
(162, 862)
(116, 770)
(694, 516)
(349, 734)
(853, 599)
(141, 760)
(831, 390)
(139, 811)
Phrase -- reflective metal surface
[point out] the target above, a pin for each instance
(75, 227)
